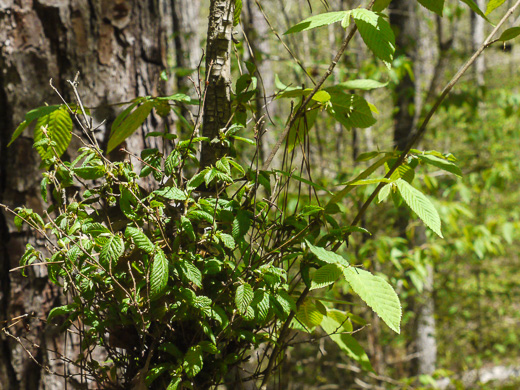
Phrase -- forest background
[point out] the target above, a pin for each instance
(459, 293)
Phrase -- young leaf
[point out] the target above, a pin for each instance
(421, 205)
(376, 33)
(140, 239)
(436, 6)
(243, 297)
(377, 294)
(317, 21)
(58, 126)
(159, 274)
(128, 125)
(325, 276)
(112, 250)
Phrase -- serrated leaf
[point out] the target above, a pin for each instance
(94, 228)
(187, 227)
(317, 21)
(441, 163)
(327, 256)
(420, 205)
(260, 305)
(191, 272)
(509, 34)
(325, 276)
(227, 240)
(350, 110)
(112, 250)
(241, 225)
(158, 274)
(128, 125)
(200, 215)
(384, 192)
(243, 297)
(376, 33)
(309, 315)
(493, 5)
(58, 126)
(172, 193)
(377, 294)
(436, 6)
(172, 161)
(193, 361)
(140, 239)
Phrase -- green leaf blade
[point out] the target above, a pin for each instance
(159, 274)
(317, 21)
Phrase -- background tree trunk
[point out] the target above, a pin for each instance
(120, 49)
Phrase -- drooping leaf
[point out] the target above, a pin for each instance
(58, 126)
(140, 239)
(19, 130)
(377, 294)
(420, 205)
(325, 276)
(441, 163)
(128, 125)
(436, 6)
(376, 33)
(112, 250)
(241, 225)
(309, 315)
(158, 274)
(317, 21)
(380, 5)
(474, 7)
(243, 297)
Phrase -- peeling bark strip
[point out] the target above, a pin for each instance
(217, 107)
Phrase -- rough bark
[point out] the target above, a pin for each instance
(217, 105)
(120, 49)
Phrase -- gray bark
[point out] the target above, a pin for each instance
(217, 105)
(120, 49)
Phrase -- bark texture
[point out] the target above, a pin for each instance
(217, 105)
(120, 49)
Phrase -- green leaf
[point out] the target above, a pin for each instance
(377, 294)
(241, 225)
(362, 84)
(40, 111)
(350, 110)
(191, 272)
(90, 173)
(174, 384)
(475, 8)
(327, 256)
(380, 5)
(384, 192)
(128, 203)
(309, 315)
(112, 250)
(130, 124)
(436, 6)
(159, 274)
(243, 297)
(58, 126)
(187, 227)
(227, 240)
(260, 305)
(376, 33)
(140, 239)
(94, 228)
(19, 130)
(509, 34)
(193, 361)
(441, 163)
(318, 21)
(493, 5)
(420, 205)
(172, 193)
(61, 310)
(238, 10)
(325, 276)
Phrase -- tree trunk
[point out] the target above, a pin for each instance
(217, 105)
(477, 38)
(120, 49)
(407, 101)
